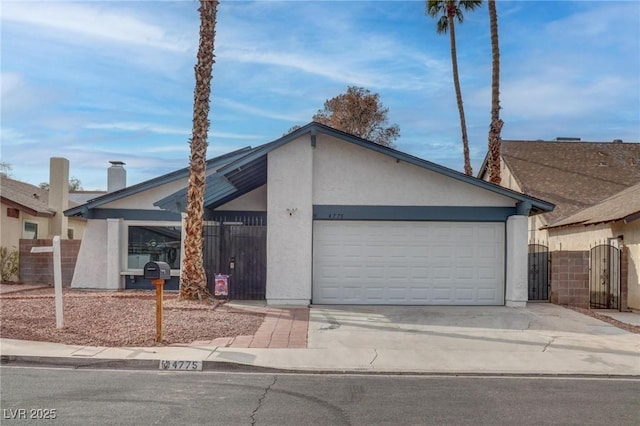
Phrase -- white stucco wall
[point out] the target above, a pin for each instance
(289, 233)
(516, 292)
(98, 264)
(347, 174)
(255, 200)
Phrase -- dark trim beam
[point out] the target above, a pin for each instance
(413, 213)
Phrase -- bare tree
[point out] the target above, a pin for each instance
(360, 113)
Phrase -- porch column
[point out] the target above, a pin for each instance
(516, 292)
(113, 254)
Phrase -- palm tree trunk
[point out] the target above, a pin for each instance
(456, 82)
(495, 128)
(193, 283)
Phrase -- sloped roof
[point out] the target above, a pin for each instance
(26, 197)
(625, 205)
(152, 183)
(572, 175)
(250, 171)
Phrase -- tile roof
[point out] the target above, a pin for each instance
(625, 205)
(31, 198)
(572, 175)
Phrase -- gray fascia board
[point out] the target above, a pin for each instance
(413, 213)
(151, 183)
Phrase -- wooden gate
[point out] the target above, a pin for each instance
(604, 277)
(237, 249)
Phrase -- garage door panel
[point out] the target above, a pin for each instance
(436, 263)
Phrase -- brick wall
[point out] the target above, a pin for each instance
(37, 268)
(570, 278)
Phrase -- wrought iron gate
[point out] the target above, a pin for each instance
(237, 249)
(604, 277)
(538, 272)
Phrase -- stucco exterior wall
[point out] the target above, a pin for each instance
(255, 200)
(289, 223)
(535, 233)
(347, 174)
(11, 228)
(98, 264)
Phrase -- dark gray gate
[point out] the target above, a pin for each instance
(237, 249)
(604, 277)
(538, 272)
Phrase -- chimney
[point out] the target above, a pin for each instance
(116, 176)
(59, 195)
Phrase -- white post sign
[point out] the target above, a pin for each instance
(57, 276)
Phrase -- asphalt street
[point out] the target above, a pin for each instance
(33, 395)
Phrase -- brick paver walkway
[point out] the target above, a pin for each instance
(282, 328)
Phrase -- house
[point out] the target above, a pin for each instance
(617, 218)
(594, 188)
(325, 218)
(32, 213)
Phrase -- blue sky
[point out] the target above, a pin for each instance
(94, 81)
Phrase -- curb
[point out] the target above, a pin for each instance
(232, 367)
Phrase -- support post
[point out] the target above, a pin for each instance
(57, 276)
(57, 281)
(159, 284)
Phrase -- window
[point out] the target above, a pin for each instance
(30, 231)
(153, 243)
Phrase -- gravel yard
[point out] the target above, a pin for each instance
(119, 318)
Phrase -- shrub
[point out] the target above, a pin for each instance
(8, 264)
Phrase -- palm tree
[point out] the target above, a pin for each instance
(496, 123)
(193, 282)
(450, 11)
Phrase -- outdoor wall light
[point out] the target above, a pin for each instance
(291, 211)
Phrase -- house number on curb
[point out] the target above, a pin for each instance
(181, 365)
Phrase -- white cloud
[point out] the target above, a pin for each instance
(93, 21)
(124, 126)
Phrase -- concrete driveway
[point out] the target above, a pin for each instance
(541, 338)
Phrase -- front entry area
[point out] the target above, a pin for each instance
(408, 263)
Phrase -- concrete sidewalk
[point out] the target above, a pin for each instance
(541, 339)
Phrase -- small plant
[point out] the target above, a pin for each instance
(8, 264)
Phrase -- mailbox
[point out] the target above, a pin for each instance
(157, 271)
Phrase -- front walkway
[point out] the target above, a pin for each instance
(281, 328)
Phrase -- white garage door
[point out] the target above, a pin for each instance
(408, 263)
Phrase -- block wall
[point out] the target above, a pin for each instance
(570, 278)
(37, 268)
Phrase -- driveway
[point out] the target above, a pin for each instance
(541, 337)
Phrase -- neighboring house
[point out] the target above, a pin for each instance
(344, 220)
(615, 219)
(32, 213)
(592, 187)
(572, 175)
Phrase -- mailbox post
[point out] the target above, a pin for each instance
(158, 272)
